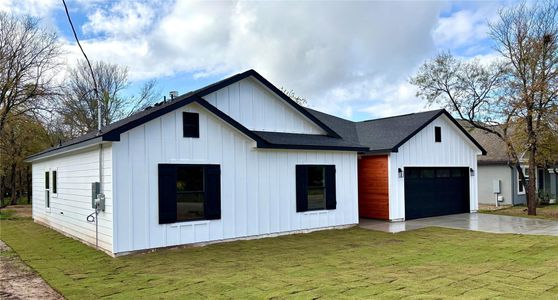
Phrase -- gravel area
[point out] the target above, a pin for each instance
(18, 281)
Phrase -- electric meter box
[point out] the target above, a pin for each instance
(496, 186)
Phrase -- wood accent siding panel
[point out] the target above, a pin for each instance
(373, 187)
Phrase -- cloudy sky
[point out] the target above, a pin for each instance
(352, 59)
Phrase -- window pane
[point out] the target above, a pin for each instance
(316, 176)
(316, 188)
(189, 206)
(54, 182)
(47, 198)
(427, 173)
(316, 198)
(456, 173)
(190, 193)
(443, 173)
(47, 180)
(189, 179)
(412, 173)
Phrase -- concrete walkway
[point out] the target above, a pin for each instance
(474, 221)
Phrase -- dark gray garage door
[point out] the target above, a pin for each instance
(433, 192)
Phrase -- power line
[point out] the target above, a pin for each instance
(87, 60)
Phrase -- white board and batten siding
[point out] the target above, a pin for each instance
(71, 205)
(251, 104)
(455, 150)
(258, 195)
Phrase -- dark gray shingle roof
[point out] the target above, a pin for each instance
(379, 135)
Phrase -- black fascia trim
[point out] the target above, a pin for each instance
(52, 151)
(114, 135)
(380, 151)
(465, 132)
(311, 147)
(442, 111)
(269, 85)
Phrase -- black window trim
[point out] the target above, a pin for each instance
(326, 187)
(206, 174)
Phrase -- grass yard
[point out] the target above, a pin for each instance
(350, 263)
(544, 212)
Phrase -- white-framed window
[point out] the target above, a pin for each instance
(54, 182)
(47, 189)
(520, 187)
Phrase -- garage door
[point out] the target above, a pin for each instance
(433, 192)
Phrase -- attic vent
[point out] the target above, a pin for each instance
(173, 94)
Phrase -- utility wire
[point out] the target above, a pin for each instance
(86, 59)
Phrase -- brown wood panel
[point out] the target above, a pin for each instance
(373, 189)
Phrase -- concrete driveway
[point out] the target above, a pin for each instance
(473, 221)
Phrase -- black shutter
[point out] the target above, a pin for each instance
(167, 193)
(212, 188)
(301, 188)
(331, 201)
(190, 124)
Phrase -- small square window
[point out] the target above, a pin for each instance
(191, 124)
(438, 134)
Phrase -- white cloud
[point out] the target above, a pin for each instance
(345, 58)
(466, 28)
(125, 19)
(330, 53)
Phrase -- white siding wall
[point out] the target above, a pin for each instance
(455, 150)
(254, 106)
(257, 186)
(72, 203)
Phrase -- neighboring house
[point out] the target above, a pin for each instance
(239, 159)
(496, 173)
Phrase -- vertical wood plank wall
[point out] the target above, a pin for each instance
(373, 189)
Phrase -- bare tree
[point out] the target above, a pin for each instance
(78, 103)
(28, 60)
(298, 99)
(514, 98)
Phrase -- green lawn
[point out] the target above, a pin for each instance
(350, 263)
(543, 212)
(6, 214)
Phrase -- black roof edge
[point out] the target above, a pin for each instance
(114, 135)
(269, 85)
(81, 144)
(445, 112)
(379, 151)
(311, 147)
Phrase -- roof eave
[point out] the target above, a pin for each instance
(70, 148)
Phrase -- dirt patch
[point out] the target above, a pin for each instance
(489, 207)
(18, 281)
(21, 211)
